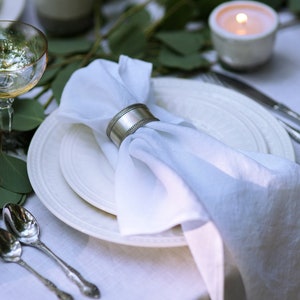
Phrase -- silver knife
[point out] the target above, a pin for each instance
(248, 90)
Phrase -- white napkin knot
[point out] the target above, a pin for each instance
(128, 121)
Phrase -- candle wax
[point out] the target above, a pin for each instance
(258, 20)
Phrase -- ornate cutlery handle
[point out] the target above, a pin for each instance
(49, 284)
(87, 288)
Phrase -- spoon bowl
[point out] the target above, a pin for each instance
(10, 247)
(11, 251)
(23, 225)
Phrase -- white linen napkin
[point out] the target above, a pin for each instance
(168, 173)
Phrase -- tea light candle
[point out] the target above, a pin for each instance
(243, 33)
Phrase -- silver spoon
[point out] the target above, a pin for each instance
(24, 226)
(11, 251)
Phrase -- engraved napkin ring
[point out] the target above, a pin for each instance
(127, 121)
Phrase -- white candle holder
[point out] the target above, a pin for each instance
(243, 33)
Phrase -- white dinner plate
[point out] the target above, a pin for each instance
(185, 97)
(11, 9)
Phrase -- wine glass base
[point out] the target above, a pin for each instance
(6, 114)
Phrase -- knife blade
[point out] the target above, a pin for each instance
(258, 96)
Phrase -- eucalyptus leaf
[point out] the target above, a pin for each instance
(184, 42)
(128, 40)
(49, 74)
(69, 45)
(28, 114)
(141, 19)
(177, 14)
(7, 196)
(294, 6)
(61, 79)
(55, 64)
(189, 62)
(13, 174)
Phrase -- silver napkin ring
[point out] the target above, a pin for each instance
(127, 121)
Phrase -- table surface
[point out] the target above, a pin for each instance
(125, 272)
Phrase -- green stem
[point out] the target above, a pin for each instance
(97, 20)
(1, 140)
(43, 91)
(48, 102)
(97, 34)
(130, 12)
(152, 28)
(66, 61)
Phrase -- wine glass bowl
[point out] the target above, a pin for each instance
(23, 59)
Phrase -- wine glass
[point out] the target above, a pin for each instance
(23, 59)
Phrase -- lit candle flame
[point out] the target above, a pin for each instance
(241, 18)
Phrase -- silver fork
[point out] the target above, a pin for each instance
(210, 77)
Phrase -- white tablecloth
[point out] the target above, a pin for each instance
(124, 272)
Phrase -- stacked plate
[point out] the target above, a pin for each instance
(73, 179)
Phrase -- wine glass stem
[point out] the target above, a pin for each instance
(6, 114)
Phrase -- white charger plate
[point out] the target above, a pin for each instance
(11, 9)
(184, 97)
(51, 188)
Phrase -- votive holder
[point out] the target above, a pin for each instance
(243, 33)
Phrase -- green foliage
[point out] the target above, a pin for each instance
(130, 41)
(177, 14)
(294, 6)
(7, 196)
(189, 62)
(68, 45)
(61, 79)
(193, 41)
(28, 114)
(13, 174)
(14, 181)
